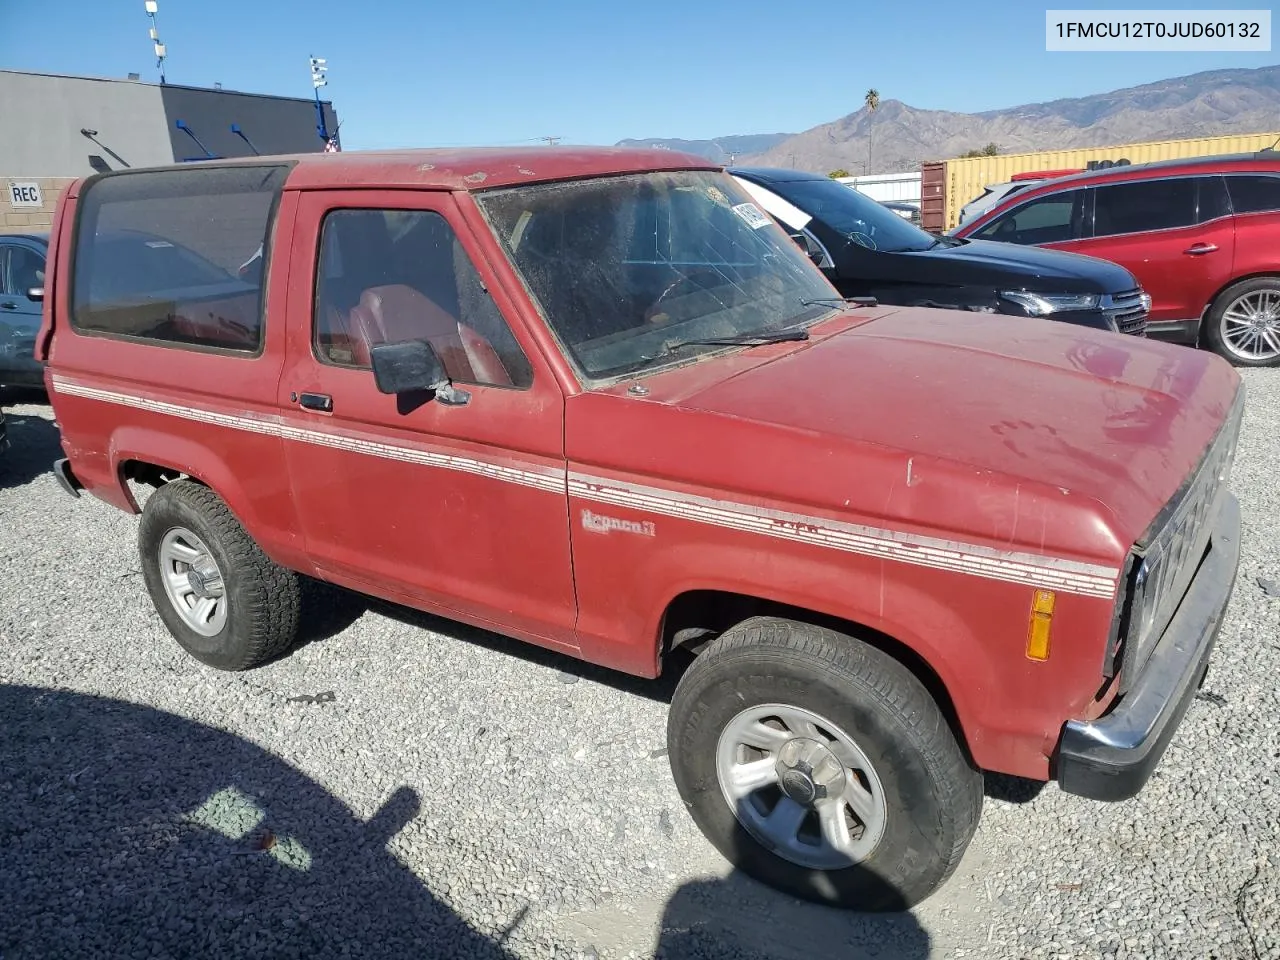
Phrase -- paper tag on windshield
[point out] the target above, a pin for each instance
(751, 215)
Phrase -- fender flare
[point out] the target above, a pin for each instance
(967, 688)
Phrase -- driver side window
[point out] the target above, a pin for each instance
(1051, 219)
(25, 269)
(392, 275)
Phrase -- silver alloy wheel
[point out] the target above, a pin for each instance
(193, 582)
(1251, 325)
(801, 786)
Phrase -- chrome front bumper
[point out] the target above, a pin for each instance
(1112, 758)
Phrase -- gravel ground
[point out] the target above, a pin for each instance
(456, 794)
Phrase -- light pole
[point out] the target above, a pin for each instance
(151, 7)
(319, 67)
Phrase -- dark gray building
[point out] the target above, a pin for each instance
(58, 128)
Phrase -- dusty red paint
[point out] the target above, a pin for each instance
(1047, 440)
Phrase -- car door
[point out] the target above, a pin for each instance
(1255, 202)
(1174, 234)
(458, 507)
(22, 266)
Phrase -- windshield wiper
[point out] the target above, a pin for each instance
(855, 301)
(747, 340)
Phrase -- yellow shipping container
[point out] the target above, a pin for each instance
(966, 178)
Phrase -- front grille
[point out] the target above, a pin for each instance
(1165, 562)
(1128, 310)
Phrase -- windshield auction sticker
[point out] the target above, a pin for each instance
(751, 215)
(1159, 31)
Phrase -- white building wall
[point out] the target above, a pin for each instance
(903, 187)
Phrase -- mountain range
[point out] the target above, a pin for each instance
(898, 137)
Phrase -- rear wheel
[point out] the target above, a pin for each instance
(224, 601)
(822, 766)
(1243, 325)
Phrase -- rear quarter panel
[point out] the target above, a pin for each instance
(117, 400)
(1257, 245)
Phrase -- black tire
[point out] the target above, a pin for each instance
(263, 598)
(1212, 328)
(932, 792)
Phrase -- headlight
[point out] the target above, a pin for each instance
(1146, 301)
(1039, 304)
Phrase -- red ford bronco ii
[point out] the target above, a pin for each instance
(597, 400)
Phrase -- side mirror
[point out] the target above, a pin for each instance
(36, 294)
(413, 366)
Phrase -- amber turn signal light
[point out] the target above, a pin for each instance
(1041, 620)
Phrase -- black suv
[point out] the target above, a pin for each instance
(867, 250)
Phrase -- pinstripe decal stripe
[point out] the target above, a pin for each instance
(1030, 569)
(551, 479)
(1069, 576)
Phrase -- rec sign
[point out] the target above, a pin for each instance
(25, 194)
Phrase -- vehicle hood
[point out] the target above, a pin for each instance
(1058, 438)
(987, 262)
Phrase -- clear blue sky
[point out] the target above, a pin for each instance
(421, 73)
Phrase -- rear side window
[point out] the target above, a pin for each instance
(175, 256)
(1049, 219)
(1254, 194)
(1144, 205)
(1213, 198)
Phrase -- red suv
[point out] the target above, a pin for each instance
(597, 400)
(1201, 235)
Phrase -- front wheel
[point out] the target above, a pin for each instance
(821, 766)
(1243, 325)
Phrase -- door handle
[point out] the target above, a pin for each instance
(316, 401)
(9, 305)
(1196, 249)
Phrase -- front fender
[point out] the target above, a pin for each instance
(883, 599)
(970, 630)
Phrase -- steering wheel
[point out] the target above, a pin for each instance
(654, 312)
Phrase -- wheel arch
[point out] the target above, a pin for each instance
(153, 458)
(1202, 335)
(694, 617)
(145, 457)
(1214, 297)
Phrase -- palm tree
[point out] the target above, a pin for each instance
(872, 101)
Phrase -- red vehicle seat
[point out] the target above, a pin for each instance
(399, 312)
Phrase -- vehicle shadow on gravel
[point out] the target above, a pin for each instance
(326, 611)
(126, 831)
(1010, 789)
(33, 446)
(660, 689)
(997, 786)
(736, 918)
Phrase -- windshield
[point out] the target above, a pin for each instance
(853, 215)
(621, 266)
